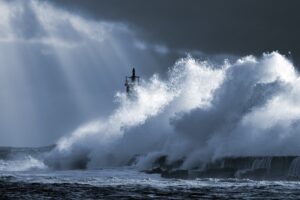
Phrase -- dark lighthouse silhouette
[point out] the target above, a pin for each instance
(131, 82)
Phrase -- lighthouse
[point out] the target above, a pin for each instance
(131, 81)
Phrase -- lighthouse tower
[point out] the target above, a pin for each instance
(131, 81)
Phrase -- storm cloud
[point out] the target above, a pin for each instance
(209, 26)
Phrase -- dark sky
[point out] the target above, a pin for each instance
(211, 26)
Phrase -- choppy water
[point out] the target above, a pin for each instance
(120, 183)
(24, 176)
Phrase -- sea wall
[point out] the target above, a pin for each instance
(257, 168)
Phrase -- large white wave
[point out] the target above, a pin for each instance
(201, 112)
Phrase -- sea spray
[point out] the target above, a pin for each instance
(25, 163)
(155, 98)
(201, 112)
(148, 101)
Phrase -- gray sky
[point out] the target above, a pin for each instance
(62, 61)
(211, 26)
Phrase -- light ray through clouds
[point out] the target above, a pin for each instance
(57, 70)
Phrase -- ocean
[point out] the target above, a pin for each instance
(126, 183)
(23, 175)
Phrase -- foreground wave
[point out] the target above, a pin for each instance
(131, 184)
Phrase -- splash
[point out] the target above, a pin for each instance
(149, 101)
(201, 112)
(153, 99)
(22, 164)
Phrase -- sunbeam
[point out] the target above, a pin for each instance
(80, 56)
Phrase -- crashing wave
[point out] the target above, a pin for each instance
(22, 164)
(201, 112)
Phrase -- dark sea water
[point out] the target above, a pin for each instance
(120, 183)
(24, 176)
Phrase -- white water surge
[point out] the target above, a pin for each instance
(201, 112)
